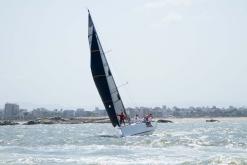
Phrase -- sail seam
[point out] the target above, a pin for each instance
(93, 51)
(114, 92)
(107, 101)
(97, 76)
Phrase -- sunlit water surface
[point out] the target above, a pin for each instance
(187, 141)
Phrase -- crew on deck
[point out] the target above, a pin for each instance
(148, 120)
(122, 118)
(137, 119)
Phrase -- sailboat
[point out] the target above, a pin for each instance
(108, 90)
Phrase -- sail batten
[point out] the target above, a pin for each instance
(102, 76)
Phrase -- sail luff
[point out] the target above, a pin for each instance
(102, 76)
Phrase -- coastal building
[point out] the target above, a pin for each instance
(157, 112)
(132, 112)
(68, 113)
(23, 114)
(80, 112)
(11, 111)
(41, 113)
(1, 114)
(57, 113)
(89, 113)
(144, 111)
(99, 112)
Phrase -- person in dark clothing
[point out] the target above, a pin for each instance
(122, 118)
(148, 120)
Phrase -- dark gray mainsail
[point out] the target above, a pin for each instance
(102, 76)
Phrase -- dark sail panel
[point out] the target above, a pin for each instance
(103, 78)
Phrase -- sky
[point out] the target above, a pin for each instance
(171, 52)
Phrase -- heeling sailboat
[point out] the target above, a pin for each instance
(107, 88)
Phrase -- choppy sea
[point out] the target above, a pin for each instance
(186, 141)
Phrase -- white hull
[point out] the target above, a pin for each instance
(137, 128)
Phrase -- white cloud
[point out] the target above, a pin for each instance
(167, 11)
(154, 4)
(170, 18)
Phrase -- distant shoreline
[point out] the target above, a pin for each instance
(85, 120)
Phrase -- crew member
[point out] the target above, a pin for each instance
(137, 119)
(148, 120)
(122, 118)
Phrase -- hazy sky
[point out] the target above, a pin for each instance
(172, 52)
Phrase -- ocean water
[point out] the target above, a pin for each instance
(187, 141)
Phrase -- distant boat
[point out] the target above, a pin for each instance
(107, 88)
(212, 120)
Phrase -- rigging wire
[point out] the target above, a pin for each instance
(129, 99)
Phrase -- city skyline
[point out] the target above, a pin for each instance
(172, 52)
(92, 108)
(14, 112)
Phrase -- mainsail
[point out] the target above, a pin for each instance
(103, 78)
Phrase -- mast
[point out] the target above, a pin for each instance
(103, 78)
